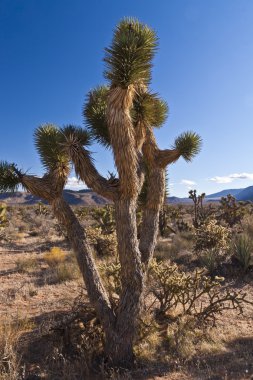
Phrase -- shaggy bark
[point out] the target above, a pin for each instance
(87, 172)
(119, 343)
(95, 289)
(150, 219)
(157, 160)
(96, 292)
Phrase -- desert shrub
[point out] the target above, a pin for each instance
(110, 271)
(231, 211)
(3, 215)
(170, 249)
(10, 331)
(26, 264)
(82, 212)
(9, 360)
(105, 220)
(62, 272)
(65, 272)
(164, 219)
(41, 209)
(182, 294)
(183, 226)
(55, 256)
(104, 245)
(212, 244)
(242, 248)
(63, 266)
(211, 236)
(247, 224)
(182, 337)
(210, 259)
(148, 339)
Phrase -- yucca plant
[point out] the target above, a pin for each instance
(121, 116)
(243, 251)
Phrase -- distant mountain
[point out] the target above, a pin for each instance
(79, 198)
(174, 200)
(245, 194)
(224, 193)
(89, 198)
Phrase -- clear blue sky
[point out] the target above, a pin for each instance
(51, 55)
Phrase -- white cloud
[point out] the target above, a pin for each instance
(187, 182)
(232, 177)
(74, 184)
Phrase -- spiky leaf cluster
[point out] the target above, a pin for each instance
(10, 177)
(149, 109)
(94, 112)
(48, 141)
(129, 58)
(70, 132)
(188, 145)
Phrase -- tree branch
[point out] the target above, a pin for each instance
(166, 157)
(43, 188)
(87, 172)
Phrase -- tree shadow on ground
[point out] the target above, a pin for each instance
(235, 363)
(46, 347)
(15, 247)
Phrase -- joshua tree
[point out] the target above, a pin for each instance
(121, 116)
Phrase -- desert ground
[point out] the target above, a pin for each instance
(48, 329)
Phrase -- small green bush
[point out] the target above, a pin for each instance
(242, 249)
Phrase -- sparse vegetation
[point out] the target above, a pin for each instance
(231, 211)
(134, 309)
(55, 256)
(181, 303)
(211, 236)
(243, 251)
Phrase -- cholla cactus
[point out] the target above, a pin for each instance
(211, 236)
(104, 244)
(181, 293)
(231, 211)
(3, 215)
(104, 216)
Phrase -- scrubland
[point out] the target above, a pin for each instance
(197, 319)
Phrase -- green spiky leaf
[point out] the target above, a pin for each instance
(129, 58)
(94, 112)
(48, 141)
(82, 135)
(188, 144)
(10, 177)
(150, 109)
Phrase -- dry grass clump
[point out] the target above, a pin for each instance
(55, 256)
(26, 264)
(62, 266)
(10, 331)
(65, 272)
(170, 248)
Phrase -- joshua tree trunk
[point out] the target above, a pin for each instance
(149, 228)
(120, 345)
(119, 325)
